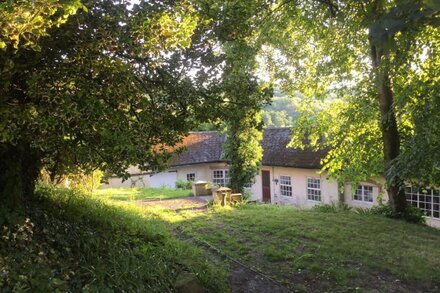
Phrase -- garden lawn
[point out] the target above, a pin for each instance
(311, 251)
(126, 194)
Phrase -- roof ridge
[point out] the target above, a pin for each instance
(284, 127)
(205, 131)
(208, 146)
(219, 132)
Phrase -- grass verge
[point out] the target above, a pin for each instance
(127, 194)
(73, 242)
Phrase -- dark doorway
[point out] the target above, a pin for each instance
(265, 175)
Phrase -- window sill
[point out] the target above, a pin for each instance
(362, 201)
(432, 218)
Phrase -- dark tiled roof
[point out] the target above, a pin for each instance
(201, 147)
(276, 152)
(205, 147)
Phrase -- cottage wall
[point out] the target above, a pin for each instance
(379, 195)
(203, 172)
(132, 181)
(329, 188)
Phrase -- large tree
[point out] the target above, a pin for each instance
(107, 87)
(243, 95)
(378, 62)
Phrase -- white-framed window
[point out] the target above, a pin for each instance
(285, 185)
(220, 177)
(314, 189)
(190, 176)
(363, 193)
(426, 199)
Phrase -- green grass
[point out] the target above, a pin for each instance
(313, 251)
(72, 242)
(126, 194)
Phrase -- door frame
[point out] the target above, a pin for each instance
(266, 173)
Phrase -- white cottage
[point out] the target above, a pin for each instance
(287, 176)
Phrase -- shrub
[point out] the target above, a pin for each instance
(362, 211)
(382, 210)
(246, 195)
(183, 184)
(85, 182)
(412, 214)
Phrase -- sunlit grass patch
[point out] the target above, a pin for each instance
(136, 193)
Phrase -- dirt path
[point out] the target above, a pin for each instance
(179, 204)
(243, 279)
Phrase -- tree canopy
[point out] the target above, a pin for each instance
(106, 87)
(369, 71)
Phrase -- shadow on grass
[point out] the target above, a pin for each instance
(73, 242)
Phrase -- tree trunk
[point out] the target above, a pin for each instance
(390, 133)
(19, 171)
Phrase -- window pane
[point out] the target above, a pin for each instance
(363, 193)
(218, 174)
(358, 193)
(368, 193)
(219, 178)
(285, 185)
(314, 189)
(220, 182)
(285, 180)
(191, 176)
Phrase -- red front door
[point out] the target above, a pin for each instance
(265, 175)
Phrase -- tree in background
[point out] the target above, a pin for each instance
(282, 110)
(105, 88)
(378, 61)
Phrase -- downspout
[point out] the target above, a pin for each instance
(274, 185)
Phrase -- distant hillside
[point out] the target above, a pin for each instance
(282, 112)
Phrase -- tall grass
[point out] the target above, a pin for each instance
(71, 241)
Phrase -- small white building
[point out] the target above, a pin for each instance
(287, 176)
